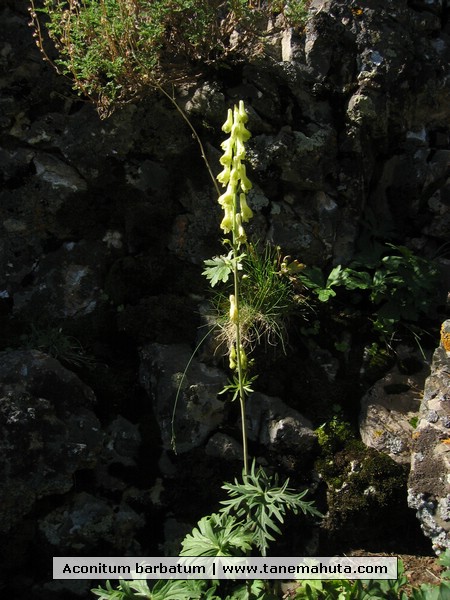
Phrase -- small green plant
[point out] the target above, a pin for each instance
(53, 341)
(334, 434)
(400, 286)
(269, 296)
(388, 589)
(116, 50)
(184, 589)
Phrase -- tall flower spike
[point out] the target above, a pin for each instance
(234, 175)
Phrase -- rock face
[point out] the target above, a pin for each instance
(198, 410)
(48, 432)
(278, 427)
(103, 229)
(429, 486)
(389, 414)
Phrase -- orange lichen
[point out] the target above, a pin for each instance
(445, 338)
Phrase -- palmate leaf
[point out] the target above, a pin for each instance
(217, 269)
(217, 535)
(221, 267)
(163, 589)
(264, 503)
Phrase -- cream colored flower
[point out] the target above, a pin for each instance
(227, 222)
(246, 184)
(233, 357)
(234, 174)
(227, 199)
(229, 122)
(246, 211)
(240, 234)
(224, 176)
(234, 317)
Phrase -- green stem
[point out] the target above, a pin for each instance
(240, 369)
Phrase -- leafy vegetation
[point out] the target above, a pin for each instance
(314, 589)
(55, 342)
(269, 291)
(115, 50)
(399, 287)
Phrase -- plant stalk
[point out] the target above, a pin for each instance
(240, 369)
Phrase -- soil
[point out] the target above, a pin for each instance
(421, 569)
(418, 569)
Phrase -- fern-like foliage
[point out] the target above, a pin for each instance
(264, 503)
(190, 589)
(217, 535)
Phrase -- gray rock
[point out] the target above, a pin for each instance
(69, 280)
(277, 426)
(88, 521)
(429, 479)
(47, 431)
(198, 411)
(224, 446)
(388, 411)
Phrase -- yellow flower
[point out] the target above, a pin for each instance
(234, 176)
(227, 221)
(226, 200)
(229, 122)
(224, 176)
(241, 132)
(246, 211)
(239, 150)
(234, 318)
(246, 184)
(227, 156)
(243, 116)
(240, 234)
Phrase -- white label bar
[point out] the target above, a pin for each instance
(190, 567)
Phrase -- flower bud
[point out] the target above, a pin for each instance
(243, 116)
(234, 317)
(243, 358)
(232, 358)
(240, 233)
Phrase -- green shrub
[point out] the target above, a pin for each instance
(400, 287)
(114, 50)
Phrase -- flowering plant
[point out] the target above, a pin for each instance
(236, 212)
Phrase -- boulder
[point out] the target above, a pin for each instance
(389, 413)
(429, 479)
(87, 522)
(48, 431)
(186, 403)
(278, 427)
